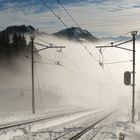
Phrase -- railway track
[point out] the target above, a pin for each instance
(39, 119)
(75, 135)
(79, 128)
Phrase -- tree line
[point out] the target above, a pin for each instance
(12, 43)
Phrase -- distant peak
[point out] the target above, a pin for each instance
(76, 33)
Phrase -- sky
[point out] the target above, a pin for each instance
(100, 17)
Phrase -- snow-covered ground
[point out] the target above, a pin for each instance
(58, 124)
(134, 132)
(124, 126)
(57, 87)
(11, 117)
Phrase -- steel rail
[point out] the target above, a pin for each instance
(80, 134)
(39, 119)
(63, 135)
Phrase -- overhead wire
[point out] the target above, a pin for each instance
(60, 65)
(76, 73)
(72, 62)
(109, 44)
(66, 68)
(69, 58)
(44, 63)
(93, 58)
(78, 26)
(59, 1)
(80, 74)
(67, 26)
(90, 53)
(46, 58)
(120, 40)
(43, 40)
(44, 2)
(72, 70)
(118, 62)
(81, 42)
(81, 71)
(117, 41)
(81, 45)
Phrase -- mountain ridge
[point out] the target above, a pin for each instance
(76, 34)
(18, 29)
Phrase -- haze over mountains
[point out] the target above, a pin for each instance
(72, 33)
(61, 85)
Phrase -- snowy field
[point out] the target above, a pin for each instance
(69, 125)
(60, 125)
(134, 132)
(58, 87)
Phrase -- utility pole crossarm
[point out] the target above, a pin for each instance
(118, 62)
(123, 48)
(47, 47)
(123, 42)
(104, 47)
(40, 50)
(116, 46)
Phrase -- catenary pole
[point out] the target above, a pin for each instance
(32, 37)
(134, 33)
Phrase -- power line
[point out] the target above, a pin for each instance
(118, 62)
(77, 73)
(70, 70)
(90, 53)
(121, 39)
(63, 66)
(72, 62)
(46, 58)
(117, 41)
(44, 2)
(78, 26)
(95, 59)
(115, 62)
(78, 67)
(43, 40)
(81, 75)
(110, 77)
(68, 13)
(44, 62)
(66, 26)
(75, 65)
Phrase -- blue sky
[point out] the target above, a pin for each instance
(100, 17)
